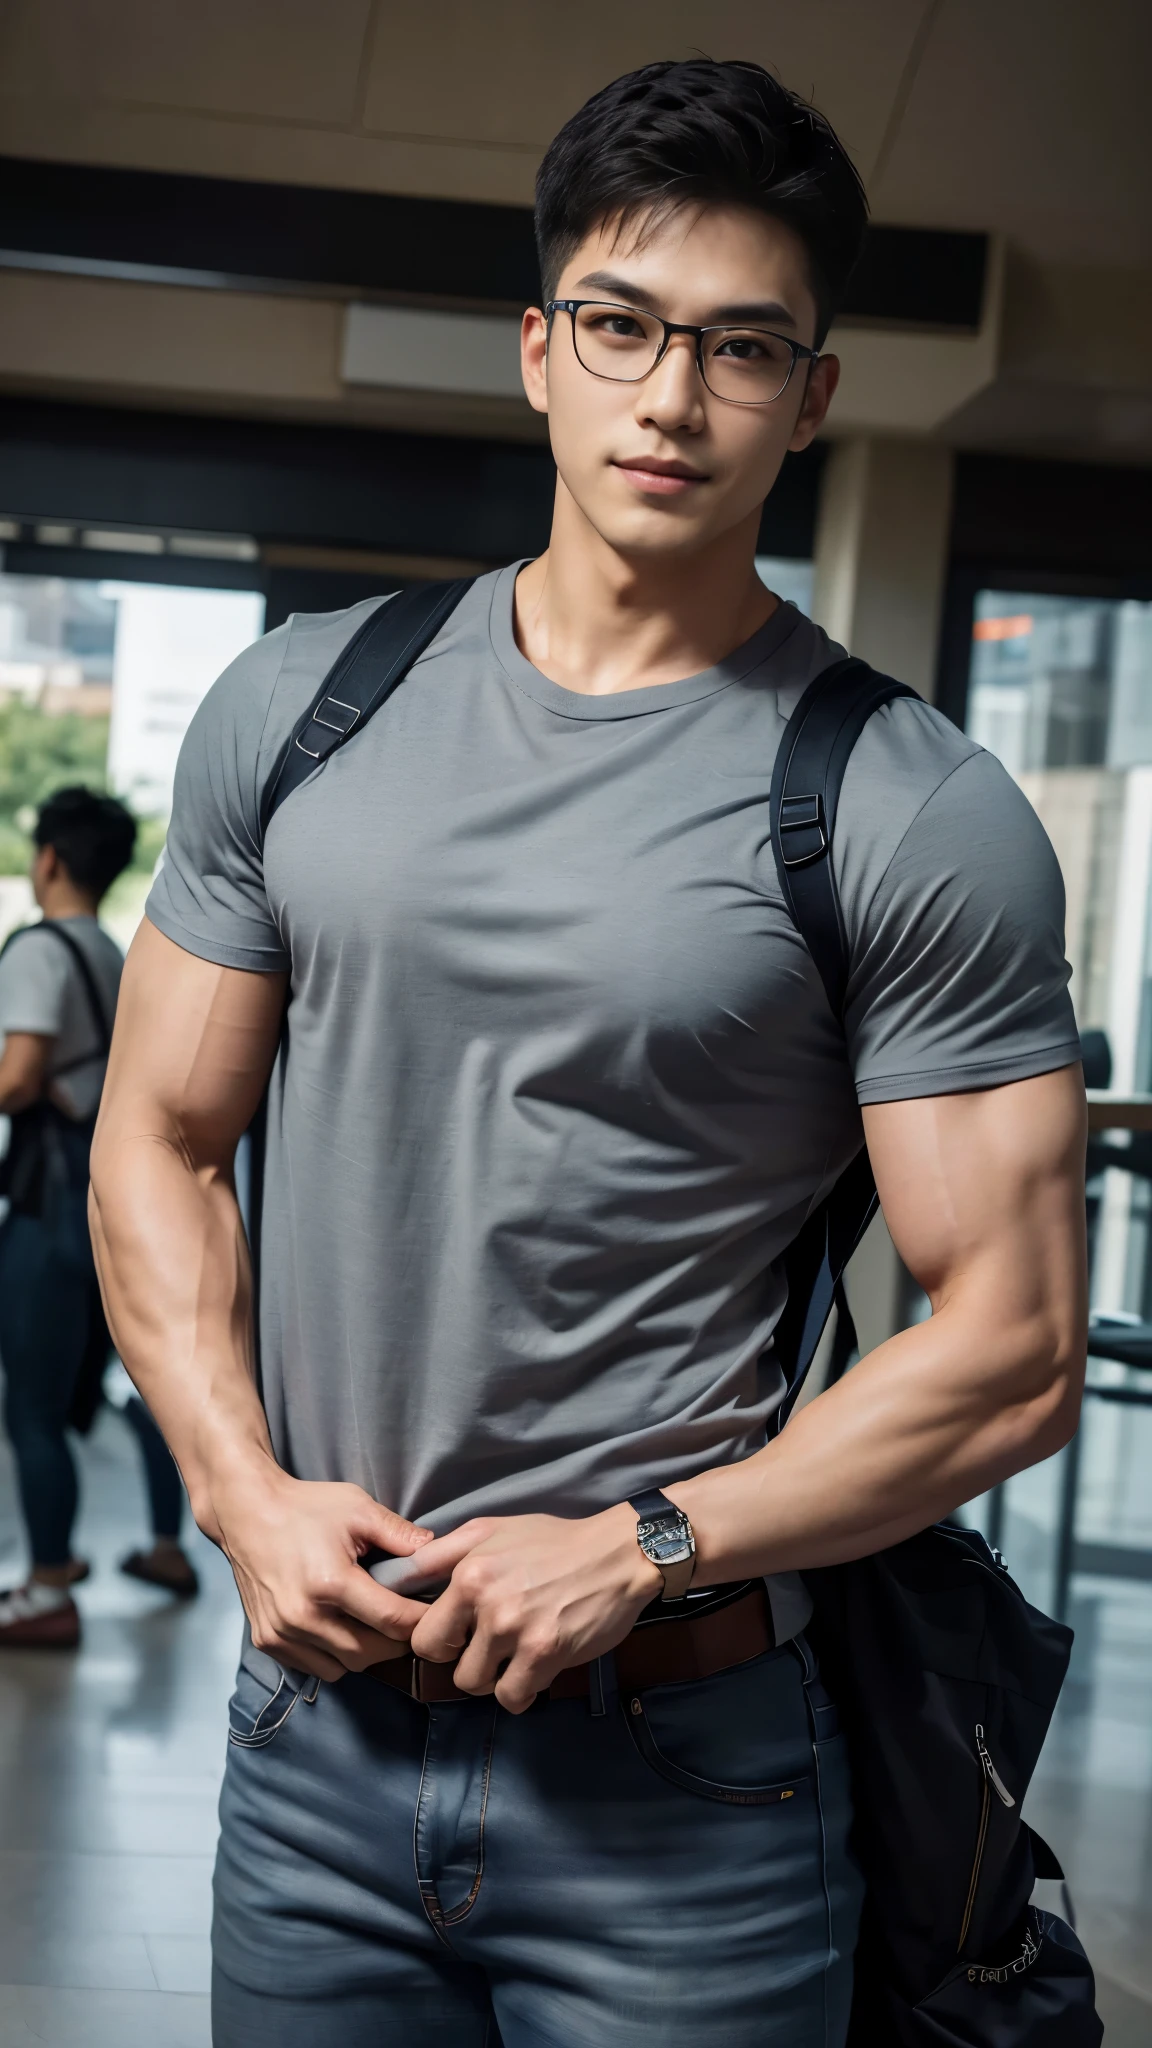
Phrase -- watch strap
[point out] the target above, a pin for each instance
(652, 1502)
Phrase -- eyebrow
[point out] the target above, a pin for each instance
(763, 312)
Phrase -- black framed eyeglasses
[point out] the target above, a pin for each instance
(742, 365)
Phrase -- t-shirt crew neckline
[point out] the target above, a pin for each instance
(764, 643)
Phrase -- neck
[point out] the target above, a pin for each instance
(61, 898)
(598, 621)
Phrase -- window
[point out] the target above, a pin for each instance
(98, 683)
(1061, 689)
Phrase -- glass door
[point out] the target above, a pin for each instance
(1060, 688)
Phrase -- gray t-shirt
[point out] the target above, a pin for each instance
(42, 990)
(559, 1081)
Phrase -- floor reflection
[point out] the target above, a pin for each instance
(110, 1762)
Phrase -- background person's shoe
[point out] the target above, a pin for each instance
(38, 1617)
(166, 1566)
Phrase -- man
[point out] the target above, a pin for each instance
(557, 1085)
(58, 986)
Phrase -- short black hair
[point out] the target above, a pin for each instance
(707, 132)
(94, 836)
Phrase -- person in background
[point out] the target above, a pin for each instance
(59, 982)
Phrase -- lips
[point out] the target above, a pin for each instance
(660, 478)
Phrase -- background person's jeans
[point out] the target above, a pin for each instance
(162, 1477)
(397, 1876)
(46, 1283)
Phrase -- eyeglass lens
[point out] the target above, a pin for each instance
(745, 365)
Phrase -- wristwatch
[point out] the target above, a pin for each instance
(664, 1534)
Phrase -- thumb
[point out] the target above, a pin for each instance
(390, 1531)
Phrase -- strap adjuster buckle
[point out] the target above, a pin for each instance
(803, 817)
(343, 726)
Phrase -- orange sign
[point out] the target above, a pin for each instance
(1014, 628)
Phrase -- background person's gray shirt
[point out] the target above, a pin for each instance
(560, 1081)
(42, 990)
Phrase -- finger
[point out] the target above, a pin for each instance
(333, 1635)
(444, 1627)
(481, 1664)
(522, 1682)
(439, 1559)
(302, 1657)
(388, 1614)
(385, 1530)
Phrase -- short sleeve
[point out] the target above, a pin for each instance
(959, 979)
(33, 985)
(209, 895)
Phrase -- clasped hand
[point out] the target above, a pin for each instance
(529, 1595)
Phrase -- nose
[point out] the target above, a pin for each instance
(672, 395)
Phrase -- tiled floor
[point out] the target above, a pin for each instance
(110, 1763)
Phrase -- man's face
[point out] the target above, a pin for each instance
(663, 466)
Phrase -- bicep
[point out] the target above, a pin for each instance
(985, 1190)
(192, 1048)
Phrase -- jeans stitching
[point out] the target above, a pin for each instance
(461, 1912)
(425, 1886)
(650, 1751)
(429, 1897)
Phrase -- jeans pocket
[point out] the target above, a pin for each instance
(740, 1738)
(256, 1715)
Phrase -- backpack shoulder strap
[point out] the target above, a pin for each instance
(91, 990)
(377, 658)
(813, 755)
(806, 781)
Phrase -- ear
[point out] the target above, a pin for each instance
(823, 377)
(534, 358)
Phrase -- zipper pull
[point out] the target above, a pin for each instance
(990, 1771)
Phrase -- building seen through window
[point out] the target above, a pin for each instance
(98, 683)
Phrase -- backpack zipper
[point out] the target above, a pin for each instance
(991, 1781)
(990, 1771)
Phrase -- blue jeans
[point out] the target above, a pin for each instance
(47, 1287)
(672, 1869)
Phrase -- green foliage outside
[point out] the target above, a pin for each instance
(39, 754)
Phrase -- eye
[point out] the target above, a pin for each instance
(617, 326)
(745, 348)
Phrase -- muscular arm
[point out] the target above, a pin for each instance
(191, 1052)
(984, 1197)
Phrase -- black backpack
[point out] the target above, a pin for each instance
(945, 1677)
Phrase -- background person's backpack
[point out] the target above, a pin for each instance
(945, 1677)
(48, 1155)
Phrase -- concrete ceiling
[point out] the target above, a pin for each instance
(1024, 117)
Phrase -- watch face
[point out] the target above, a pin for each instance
(667, 1540)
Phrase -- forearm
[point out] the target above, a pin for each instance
(928, 1420)
(23, 1064)
(174, 1270)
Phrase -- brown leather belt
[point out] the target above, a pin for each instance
(660, 1653)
